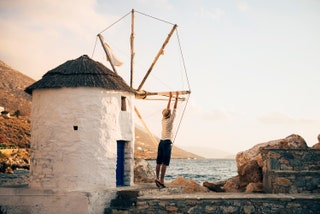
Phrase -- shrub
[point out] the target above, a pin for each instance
(4, 112)
(16, 113)
(12, 146)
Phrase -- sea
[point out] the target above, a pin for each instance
(200, 170)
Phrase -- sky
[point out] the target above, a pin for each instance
(253, 66)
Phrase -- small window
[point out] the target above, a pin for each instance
(123, 104)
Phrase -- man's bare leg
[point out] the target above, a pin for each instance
(158, 170)
(163, 172)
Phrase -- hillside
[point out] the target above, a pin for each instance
(16, 131)
(12, 95)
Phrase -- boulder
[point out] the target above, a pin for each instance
(215, 186)
(249, 162)
(189, 185)
(12, 159)
(250, 173)
(254, 188)
(317, 145)
(230, 185)
(143, 172)
(233, 185)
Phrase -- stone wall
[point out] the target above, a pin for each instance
(291, 170)
(224, 203)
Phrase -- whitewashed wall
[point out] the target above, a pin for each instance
(66, 159)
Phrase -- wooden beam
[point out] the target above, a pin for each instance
(144, 94)
(132, 48)
(107, 53)
(153, 139)
(157, 56)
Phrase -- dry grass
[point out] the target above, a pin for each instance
(15, 132)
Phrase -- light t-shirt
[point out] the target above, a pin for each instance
(167, 126)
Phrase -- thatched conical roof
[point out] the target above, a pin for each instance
(81, 72)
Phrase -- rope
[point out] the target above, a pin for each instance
(155, 18)
(139, 13)
(183, 62)
(94, 47)
(115, 22)
(180, 121)
(188, 83)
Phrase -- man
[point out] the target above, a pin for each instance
(164, 147)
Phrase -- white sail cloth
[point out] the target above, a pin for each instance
(113, 58)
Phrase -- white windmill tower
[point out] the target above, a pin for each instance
(81, 118)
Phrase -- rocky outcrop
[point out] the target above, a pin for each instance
(254, 187)
(188, 185)
(317, 145)
(215, 186)
(233, 185)
(12, 159)
(250, 163)
(143, 172)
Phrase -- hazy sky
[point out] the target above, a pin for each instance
(253, 66)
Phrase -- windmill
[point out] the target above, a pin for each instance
(140, 92)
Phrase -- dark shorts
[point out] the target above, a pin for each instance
(164, 152)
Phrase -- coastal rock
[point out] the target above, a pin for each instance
(250, 173)
(12, 159)
(249, 162)
(189, 185)
(317, 145)
(215, 186)
(143, 172)
(254, 188)
(232, 185)
(16, 178)
(9, 170)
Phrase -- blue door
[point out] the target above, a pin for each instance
(120, 163)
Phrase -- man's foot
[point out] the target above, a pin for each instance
(159, 184)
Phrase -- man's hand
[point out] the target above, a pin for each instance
(176, 102)
(169, 101)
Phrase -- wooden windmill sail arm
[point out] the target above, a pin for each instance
(107, 52)
(145, 126)
(157, 57)
(144, 94)
(132, 48)
(163, 98)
